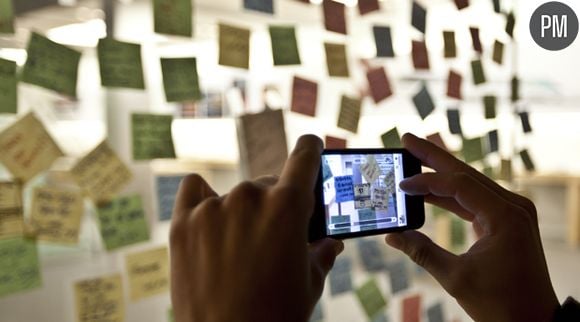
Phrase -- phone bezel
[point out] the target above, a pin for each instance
(413, 204)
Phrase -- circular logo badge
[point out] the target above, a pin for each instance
(554, 26)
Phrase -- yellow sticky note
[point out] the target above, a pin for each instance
(100, 299)
(101, 173)
(234, 45)
(336, 60)
(56, 214)
(27, 148)
(148, 273)
(11, 223)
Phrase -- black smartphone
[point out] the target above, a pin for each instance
(358, 194)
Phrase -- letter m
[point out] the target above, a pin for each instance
(560, 26)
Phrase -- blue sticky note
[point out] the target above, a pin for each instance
(266, 6)
(166, 190)
(371, 255)
(340, 276)
(344, 188)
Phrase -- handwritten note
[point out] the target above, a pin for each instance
(120, 64)
(489, 103)
(51, 65)
(27, 148)
(371, 255)
(510, 24)
(56, 214)
(122, 222)
(340, 276)
(334, 16)
(11, 220)
(505, 172)
(331, 142)
(284, 45)
(398, 276)
(368, 6)
(423, 102)
(350, 109)
(173, 17)
(8, 86)
(527, 160)
(454, 85)
(371, 298)
(477, 72)
(420, 55)
(253, 143)
(379, 84)
(151, 136)
(6, 17)
(475, 40)
(435, 313)
(461, 4)
(101, 173)
(498, 49)
(180, 79)
(265, 6)
(419, 17)
(472, 149)
(412, 308)
(370, 169)
(496, 6)
(391, 139)
(389, 181)
(304, 96)
(19, 266)
(100, 299)
(492, 141)
(234, 46)
(454, 121)
(344, 187)
(515, 96)
(166, 187)
(148, 273)
(383, 41)
(450, 50)
(336, 60)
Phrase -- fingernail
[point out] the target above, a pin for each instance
(395, 240)
(404, 184)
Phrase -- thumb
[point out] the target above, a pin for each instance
(423, 251)
(322, 255)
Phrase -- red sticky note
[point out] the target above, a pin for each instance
(379, 84)
(331, 142)
(368, 6)
(461, 4)
(475, 39)
(420, 55)
(304, 96)
(454, 85)
(436, 139)
(334, 16)
(412, 308)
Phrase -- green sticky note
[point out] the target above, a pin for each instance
(19, 267)
(490, 103)
(180, 79)
(488, 172)
(515, 96)
(6, 17)
(173, 17)
(170, 315)
(51, 65)
(120, 64)
(8, 87)
(457, 232)
(284, 45)
(122, 222)
(391, 139)
(473, 149)
(477, 71)
(370, 297)
(151, 134)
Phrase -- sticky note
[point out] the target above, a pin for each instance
(27, 148)
(489, 103)
(234, 46)
(515, 96)
(148, 273)
(331, 142)
(371, 255)
(51, 65)
(120, 64)
(379, 84)
(336, 60)
(253, 143)
(11, 213)
(362, 196)
(496, 6)
(423, 102)
(8, 87)
(436, 139)
(340, 276)
(56, 214)
(170, 315)
(418, 17)
(19, 266)
(284, 45)
(318, 313)
(505, 172)
(380, 199)
(380, 317)
(265, 6)
(525, 118)
(498, 49)
(435, 313)
(6, 17)
(389, 182)
(173, 17)
(350, 109)
(100, 299)
(101, 173)
(383, 41)
(334, 16)
(527, 160)
(371, 298)
(488, 172)
(454, 121)
(420, 55)
(368, 6)
(166, 187)
(475, 40)
(412, 308)
(450, 50)
(454, 84)
(122, 222)
(510, 24)
(180, 79)
(151, 136)
(461, 4)
(398, 276)
(370, 169)
(344, 187)
(457, 232)
(304, 96)
(477, 72)
(472, 149)
(391, 139)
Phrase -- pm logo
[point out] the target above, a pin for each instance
(554, 26)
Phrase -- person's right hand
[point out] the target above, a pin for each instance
(503, 276)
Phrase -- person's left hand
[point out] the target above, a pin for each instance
(244, 256)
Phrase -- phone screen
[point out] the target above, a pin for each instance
(361, 192)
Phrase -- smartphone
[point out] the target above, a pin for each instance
(357, 194)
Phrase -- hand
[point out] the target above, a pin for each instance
(503, 276)
(244, 256)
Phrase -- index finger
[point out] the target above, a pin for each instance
(301, 168)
